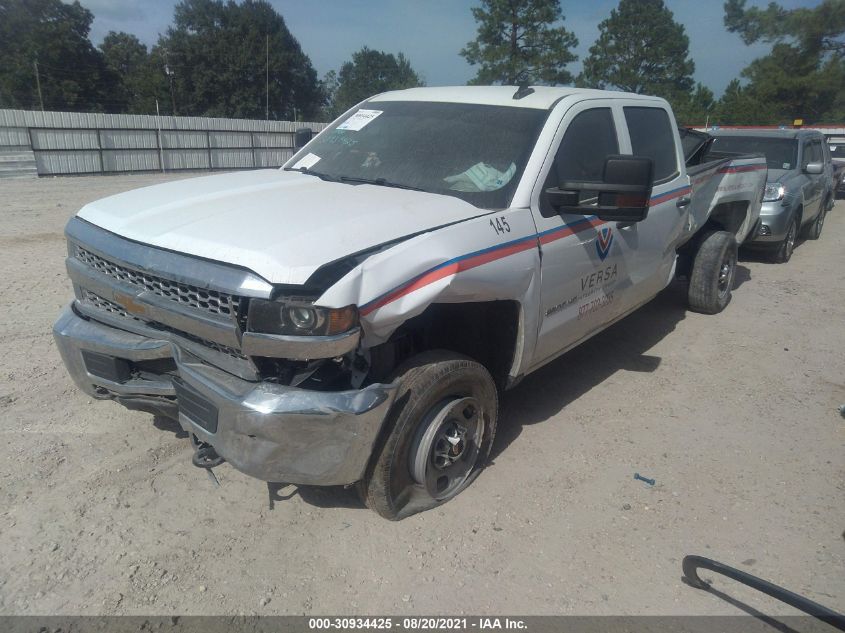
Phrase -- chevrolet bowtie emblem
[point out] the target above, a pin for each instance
(129, 304)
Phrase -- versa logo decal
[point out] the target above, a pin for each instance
(604, 240)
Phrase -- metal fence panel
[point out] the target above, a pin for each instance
(231, 159)
(230, 139)
(186, 159)
(14, 137)
(73, 162)
(183, 140)
(85, 142)
(117, 160)
(272, 157)
(128, 139)
(63, 139)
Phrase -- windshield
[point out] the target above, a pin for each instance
(473, 152)
(780, 153)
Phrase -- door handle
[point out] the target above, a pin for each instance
(683, 201)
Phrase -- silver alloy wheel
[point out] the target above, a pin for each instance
(446, 450)
(726, 274)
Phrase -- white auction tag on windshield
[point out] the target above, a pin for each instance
(358, 120)
(307, 161)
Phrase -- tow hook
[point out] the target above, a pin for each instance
(206, 457)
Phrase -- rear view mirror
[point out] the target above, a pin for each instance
(813, 168)
(622, 196)
(302, 136)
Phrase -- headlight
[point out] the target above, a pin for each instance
(299, 319)
(774, 192)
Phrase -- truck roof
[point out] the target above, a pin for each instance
(543, 97)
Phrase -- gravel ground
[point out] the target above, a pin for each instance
(734, 415)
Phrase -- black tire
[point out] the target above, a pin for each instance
(814, 231)
(431, 383)
(783, 252)
(713, 272)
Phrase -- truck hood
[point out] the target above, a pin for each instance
(281, 225)
(780, 175)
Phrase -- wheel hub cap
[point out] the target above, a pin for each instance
(445, 450)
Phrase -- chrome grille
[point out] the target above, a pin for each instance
(98, 302)
(208, 300)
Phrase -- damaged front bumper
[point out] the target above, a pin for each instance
(269, 431)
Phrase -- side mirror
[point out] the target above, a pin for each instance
(813, 168)
(302, 136)
(622, 196)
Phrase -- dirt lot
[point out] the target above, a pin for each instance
(734, 415)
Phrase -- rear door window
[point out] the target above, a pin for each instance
(652, 137)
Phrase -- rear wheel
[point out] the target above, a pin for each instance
(784, 251)
(713, 273)
(441, 429)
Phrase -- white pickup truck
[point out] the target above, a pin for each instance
(350, 318)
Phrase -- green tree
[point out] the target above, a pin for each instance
(696, 108)
(216, 56)
(328, 86)
(371, 72)
(517, 43)
(804, 74)
(72, 73)
(739, 106)
(641, 49)
(818, 30)
(142, 77)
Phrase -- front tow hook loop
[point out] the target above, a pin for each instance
(206, 457)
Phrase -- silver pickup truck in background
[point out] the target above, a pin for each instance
(351, 318)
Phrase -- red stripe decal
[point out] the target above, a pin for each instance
(741, 168)
(448, 270)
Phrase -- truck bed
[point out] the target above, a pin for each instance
(729, 191)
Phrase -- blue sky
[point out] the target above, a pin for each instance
(432, 32)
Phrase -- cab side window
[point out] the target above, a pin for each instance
(652, 137)
(589, 139)
(817, 152)
(809, 154)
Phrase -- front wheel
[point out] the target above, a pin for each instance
(815, 230)
(440, 431)
(713, 272)
(783, 253)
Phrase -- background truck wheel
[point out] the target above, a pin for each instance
(815, 229)
(439, 434)
(784, 250)
(713, 272)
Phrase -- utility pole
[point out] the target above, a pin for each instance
(38, 83)
(158, 139)
(267, 79)
(169, 74)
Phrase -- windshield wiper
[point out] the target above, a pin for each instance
(381, 182)
(311, 172)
